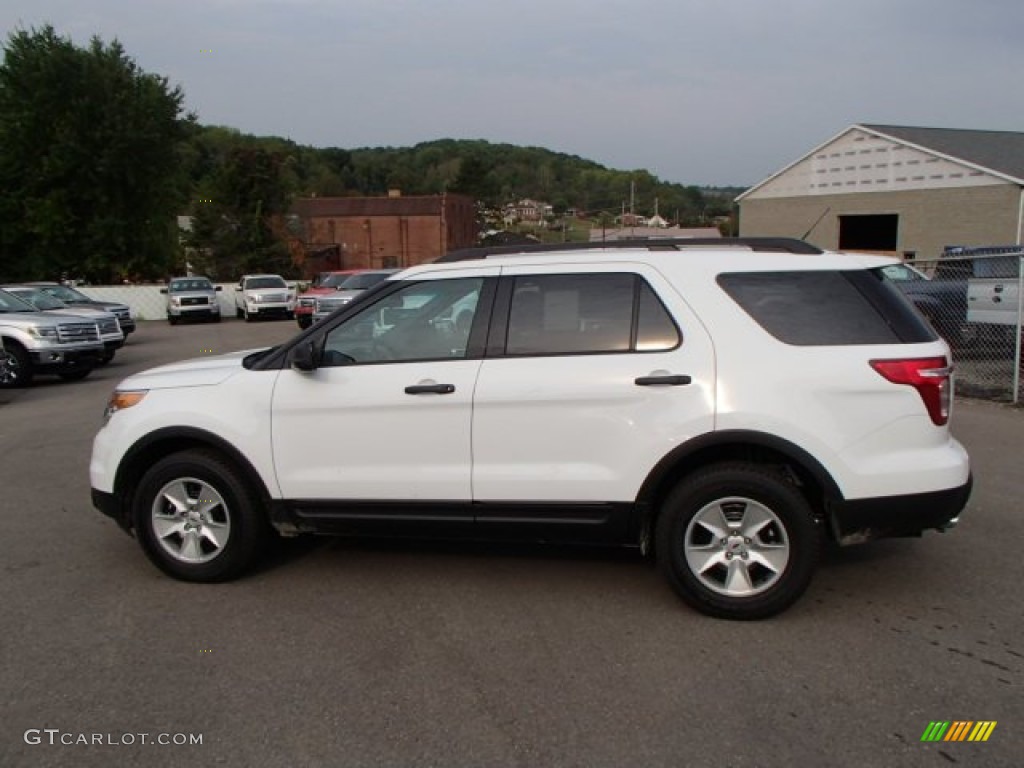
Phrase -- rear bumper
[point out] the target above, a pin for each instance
(859, 520)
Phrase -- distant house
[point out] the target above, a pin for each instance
(383, 232)
(527, 210)
(642, 233)
(896, 189)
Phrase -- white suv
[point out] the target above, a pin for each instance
(725, 405)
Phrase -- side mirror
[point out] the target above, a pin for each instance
(216, 287)
(305, 356)
(163, 290)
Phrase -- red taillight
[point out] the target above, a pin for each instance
(930, 376)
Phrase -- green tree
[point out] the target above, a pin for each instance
(89, 161)
(239, 217)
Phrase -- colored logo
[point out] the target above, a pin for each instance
(959, 730)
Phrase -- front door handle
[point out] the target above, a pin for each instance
(677, 380)
(430, 389)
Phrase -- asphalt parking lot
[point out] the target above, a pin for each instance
(338, 654)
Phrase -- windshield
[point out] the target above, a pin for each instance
(901, 272)
(11, 303)
(64, 293)
(191, 284)
(363, 281)
(265, 282)
(38, 299)
(333, 281)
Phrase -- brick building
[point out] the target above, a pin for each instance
(383, 232)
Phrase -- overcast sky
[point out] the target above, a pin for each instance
(695, 91)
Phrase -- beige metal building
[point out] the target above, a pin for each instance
(896, 189)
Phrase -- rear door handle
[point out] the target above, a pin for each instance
(430, 389)
(677, 380)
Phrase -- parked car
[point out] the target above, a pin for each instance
(351, 287)
(264, 296)
(75, 298)
(972, 295)
(110, 330)
(325, 283)
(33, 343)
(190, 298)
(726, 408)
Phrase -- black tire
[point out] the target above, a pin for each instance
(217, 552)
(216, 318)
(106, 357)
(304, 321)
(767, 521)
(76, 375)
(248, 318)
(172, 320)
(15, 366)
(239, 314)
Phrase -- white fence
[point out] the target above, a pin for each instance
(148, 303)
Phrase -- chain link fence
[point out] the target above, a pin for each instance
(973, 297)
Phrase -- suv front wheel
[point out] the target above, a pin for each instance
(196, 519)
(737, 541)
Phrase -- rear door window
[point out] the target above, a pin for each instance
(572, 314)
(827, 308)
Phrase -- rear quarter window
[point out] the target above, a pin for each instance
(827, 308)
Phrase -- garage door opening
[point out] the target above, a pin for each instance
(876, 232)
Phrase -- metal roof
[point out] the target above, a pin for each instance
(999, 151)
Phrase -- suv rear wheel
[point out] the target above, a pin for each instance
(196, 519)
(737, 541)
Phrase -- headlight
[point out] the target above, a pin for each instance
(256, 298)
(175, 301)
(119, 400)
(43, 332)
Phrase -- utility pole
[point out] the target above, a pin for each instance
(632, 208)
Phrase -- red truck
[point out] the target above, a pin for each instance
(324, 282)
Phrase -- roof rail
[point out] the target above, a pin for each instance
(771, 244)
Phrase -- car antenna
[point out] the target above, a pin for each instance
(816, 222)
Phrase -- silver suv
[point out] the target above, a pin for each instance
(75, 298)
(35, 343)
(191, 297)
(727, 405)
(110, 329)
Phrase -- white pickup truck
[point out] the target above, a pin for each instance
(993, 294)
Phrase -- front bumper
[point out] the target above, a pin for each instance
(267, 309)
(111, 506)
(858, 520)
(55, 359)
(194, 310)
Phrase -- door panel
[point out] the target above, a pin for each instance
(579, 427)
(387, 414)
(352, 432)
